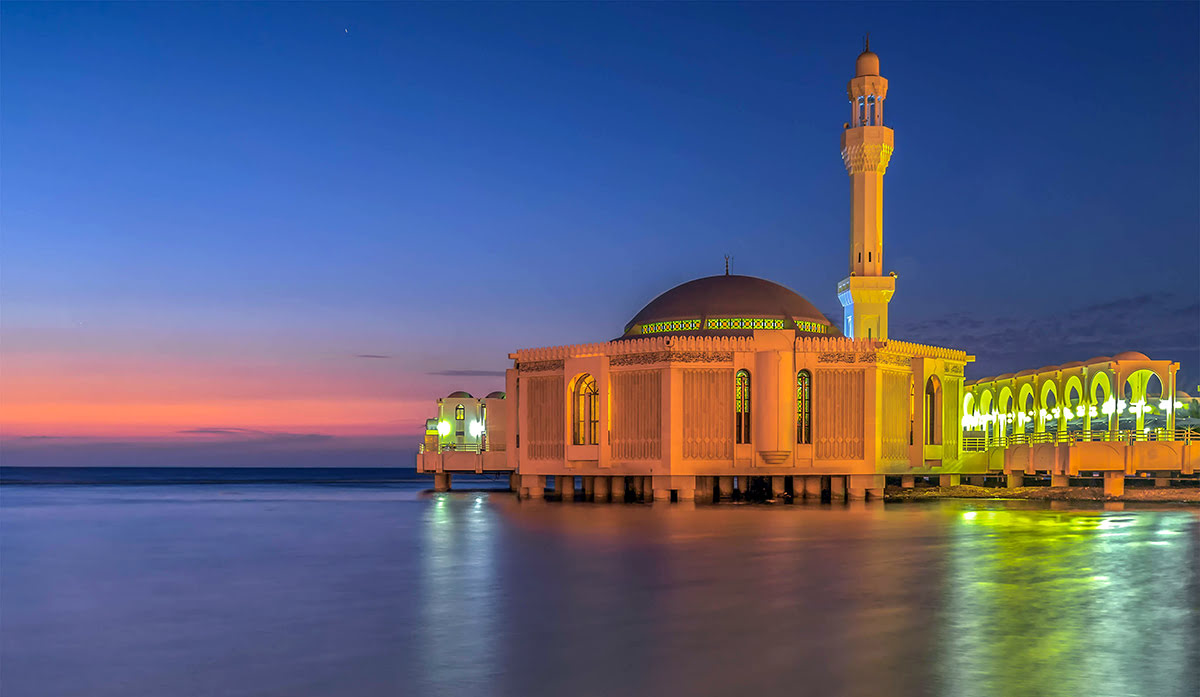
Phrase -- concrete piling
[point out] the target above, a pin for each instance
(1114, 483)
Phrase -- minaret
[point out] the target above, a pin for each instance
(866, 149)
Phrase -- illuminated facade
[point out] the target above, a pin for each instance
(728, 380)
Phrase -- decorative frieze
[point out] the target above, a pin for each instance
(671, 357)
(952, 369)
(539, 366)
(840, 357)
(892, 359)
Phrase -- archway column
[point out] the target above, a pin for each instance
(1170, 390)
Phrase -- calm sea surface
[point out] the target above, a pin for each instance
(299, 583)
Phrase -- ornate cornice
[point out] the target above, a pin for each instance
(867, 157)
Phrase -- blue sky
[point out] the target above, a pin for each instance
(257, 194)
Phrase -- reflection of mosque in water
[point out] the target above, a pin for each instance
(728, 382)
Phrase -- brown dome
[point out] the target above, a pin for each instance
(867, 64)
(692, 304)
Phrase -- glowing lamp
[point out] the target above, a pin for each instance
(443, 428)
(475, 428)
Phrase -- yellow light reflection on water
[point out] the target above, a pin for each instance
(1046, 602)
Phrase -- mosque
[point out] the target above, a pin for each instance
(733, 381)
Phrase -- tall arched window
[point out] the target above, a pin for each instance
(586, 404)
(804, 407)
(741, 406)
(460, 413)
(933, 410)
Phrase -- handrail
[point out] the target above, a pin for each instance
(1179, 435)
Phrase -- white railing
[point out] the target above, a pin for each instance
(1179, 435)
(482, 446)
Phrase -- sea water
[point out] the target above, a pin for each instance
(304, 582)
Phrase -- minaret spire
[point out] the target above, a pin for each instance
(866, 151)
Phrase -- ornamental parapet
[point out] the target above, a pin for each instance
(908, 348)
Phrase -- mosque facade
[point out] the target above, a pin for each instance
(733, 381)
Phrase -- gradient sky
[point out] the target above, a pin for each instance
(273, 234)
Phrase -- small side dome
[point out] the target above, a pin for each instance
(1072, 364)
(1023, 373)
(1098, 359)
(1131, 356)
(1005, 376)
(867, 64)
(496, 395)
(1180, 394)
(459, 394)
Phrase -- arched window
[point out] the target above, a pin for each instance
(741, 406)
(460, 413)
(586, 404)
(933, 410)
(804, 407)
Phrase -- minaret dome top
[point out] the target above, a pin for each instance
(867, 64)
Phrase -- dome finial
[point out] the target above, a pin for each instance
(867, 42)
(727, 258)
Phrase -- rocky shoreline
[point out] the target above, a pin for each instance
(1043, 493)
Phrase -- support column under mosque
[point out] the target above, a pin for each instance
(862, 486)
(1060, 480)
(743, 484)
(617, 489)
(564, 486)
(908, 481)
(441, 481)
(726, 485)
(837, 489)
(1162, 482)
(704, 489)
(589, 487)
(949, 480)
(600, 489)
(812, 487)
(1016, 479)
(639, 488)
(514, 482)
(777, 487)
(533, 486)
(686, 488)
(1114, 483)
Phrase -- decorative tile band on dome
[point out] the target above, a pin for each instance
(678, 325)
(718, 323)
(743, 323)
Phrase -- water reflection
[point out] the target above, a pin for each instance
(365, 591)
(457, 593)
(1048, 603)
